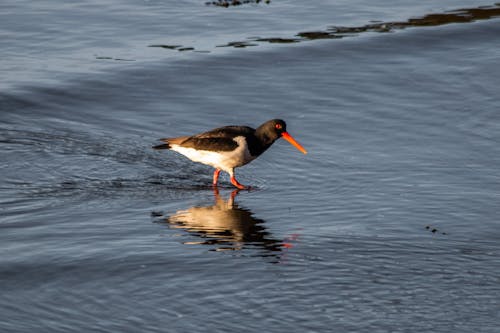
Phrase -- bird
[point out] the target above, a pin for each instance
(229, 147)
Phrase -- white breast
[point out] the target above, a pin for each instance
(225, 160)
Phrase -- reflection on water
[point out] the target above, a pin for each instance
(227, 3)
(225, 225)
(463, 15)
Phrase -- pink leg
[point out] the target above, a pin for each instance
(216, 176)
(238, 185)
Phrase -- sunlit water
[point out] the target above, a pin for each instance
(389, 224)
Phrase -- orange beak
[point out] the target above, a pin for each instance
(289, 138)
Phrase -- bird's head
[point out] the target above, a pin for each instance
(275, 129)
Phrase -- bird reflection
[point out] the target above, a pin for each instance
(226, 226)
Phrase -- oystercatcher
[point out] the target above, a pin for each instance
(229, 147)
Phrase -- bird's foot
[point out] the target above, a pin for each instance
(238, 185)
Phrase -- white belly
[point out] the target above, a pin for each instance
(224, 160)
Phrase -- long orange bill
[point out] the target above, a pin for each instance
(297, 145)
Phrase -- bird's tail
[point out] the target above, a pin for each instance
(162, 146)
(165, 145)
(168, 142)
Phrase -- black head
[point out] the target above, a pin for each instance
(274, 129)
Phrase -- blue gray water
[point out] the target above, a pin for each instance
(389, 224)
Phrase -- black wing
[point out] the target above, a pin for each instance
(219, 139)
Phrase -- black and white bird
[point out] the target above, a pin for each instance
(229, 147)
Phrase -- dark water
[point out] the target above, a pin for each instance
(389, 224)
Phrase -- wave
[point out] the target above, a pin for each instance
(463, 15)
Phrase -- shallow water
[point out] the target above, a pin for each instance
(390, 223)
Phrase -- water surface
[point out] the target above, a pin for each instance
(390, 223)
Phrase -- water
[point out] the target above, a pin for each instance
(390, 223)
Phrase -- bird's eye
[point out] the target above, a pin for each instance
(278, 126)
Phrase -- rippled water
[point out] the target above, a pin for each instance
(390, 223)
